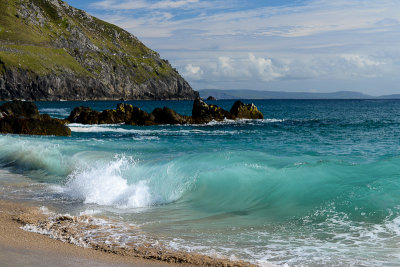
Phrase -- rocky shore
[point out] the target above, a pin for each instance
(18, 117)
(202, 113)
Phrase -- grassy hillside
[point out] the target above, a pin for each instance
(49, 37)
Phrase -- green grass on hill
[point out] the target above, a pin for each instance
(32, 47)
(43, 60)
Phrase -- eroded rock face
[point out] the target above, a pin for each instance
(19, 117)
(71, 55)
(245, 111)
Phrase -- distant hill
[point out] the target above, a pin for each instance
(254, 94)
(394, 96)
(50, 51)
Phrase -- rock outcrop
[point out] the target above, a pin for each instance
(169, 116)
(211, 98)
(202, 113)
(245, 111)
(19, 117)
(51, 51)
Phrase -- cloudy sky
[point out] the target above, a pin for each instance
(285, 45)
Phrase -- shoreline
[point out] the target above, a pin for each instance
(23, 248)
(19, 247)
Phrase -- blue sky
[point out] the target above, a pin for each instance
(311, 46)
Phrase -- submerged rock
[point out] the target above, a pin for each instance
(19, 117)
(245, 111)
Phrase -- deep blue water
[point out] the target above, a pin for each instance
(315, 182)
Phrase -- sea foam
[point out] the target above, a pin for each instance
(104, 184)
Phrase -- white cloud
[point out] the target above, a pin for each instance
(193, 72)
(264, 68)
(361, 61)
(219, 42)
(174, 4)
(142, 4)
(255, 68)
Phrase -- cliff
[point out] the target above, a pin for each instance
(51, 51)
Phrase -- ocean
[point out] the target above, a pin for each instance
(317, 182)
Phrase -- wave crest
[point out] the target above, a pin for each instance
(104, 184)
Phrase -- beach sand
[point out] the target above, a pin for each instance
(21, 248)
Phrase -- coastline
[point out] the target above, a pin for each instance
(21, 248)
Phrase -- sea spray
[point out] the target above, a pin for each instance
(104, 184)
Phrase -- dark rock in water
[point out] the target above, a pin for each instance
(19, 109)
(84, 115)
(19, 117)
(204, 113)
(110, 116)
(168, 116)
(211, 98)
(125, 113)
(135, 116)
(245, 111)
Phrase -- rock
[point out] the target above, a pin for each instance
(242, 111)
(168, 116)
(134, 115)
(20, 109)
(204, 113)
(84, 115)
(124, 113)
(74, 56)
(211, 98)
(23, 118)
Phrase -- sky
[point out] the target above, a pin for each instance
(279, 45)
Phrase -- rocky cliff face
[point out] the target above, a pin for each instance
(51, 51)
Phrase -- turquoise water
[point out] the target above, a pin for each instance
(315, 182)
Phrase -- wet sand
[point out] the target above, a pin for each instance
(21, 248)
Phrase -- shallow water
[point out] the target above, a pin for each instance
(315, 182)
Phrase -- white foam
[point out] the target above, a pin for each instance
(150, 134)
(56, 111)
(89, 212)
(104, 184)
(116, 128)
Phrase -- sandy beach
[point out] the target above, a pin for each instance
(22, 248)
